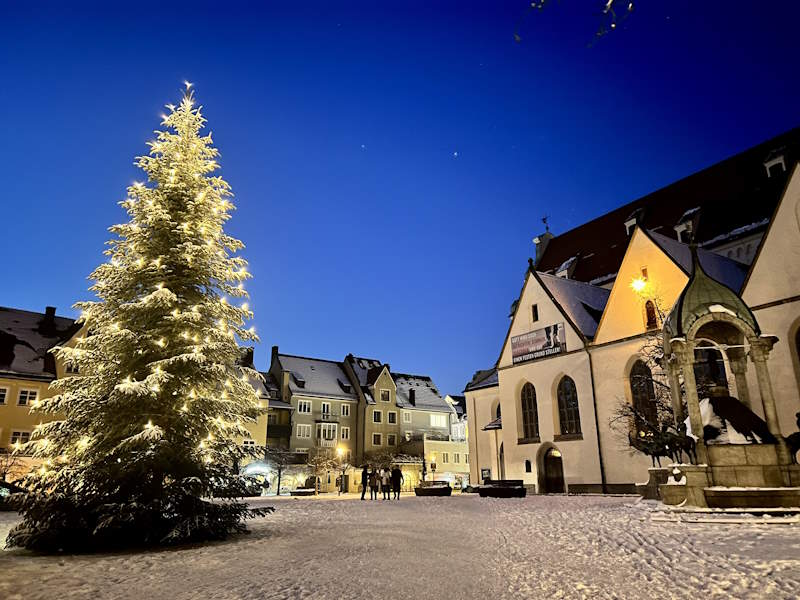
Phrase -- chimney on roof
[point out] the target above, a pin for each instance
(247, 357)
(412, 397)
(541, 241)
(47, 326)
(274, 355)
(50, 314)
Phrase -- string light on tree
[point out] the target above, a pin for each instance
(162, 337)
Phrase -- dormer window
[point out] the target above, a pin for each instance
(775, 161)
(680, 229)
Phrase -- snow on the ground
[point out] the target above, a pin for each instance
(460, 547)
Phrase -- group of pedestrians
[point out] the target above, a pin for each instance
(387, 481)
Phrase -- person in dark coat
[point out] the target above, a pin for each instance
(397, 480)
(374, 482)
(364, 481)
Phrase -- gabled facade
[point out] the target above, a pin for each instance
(645, 271)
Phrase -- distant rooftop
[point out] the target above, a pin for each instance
(25, 339)
(317, 377)
(751, 181)
(426, 395)
(482, 379)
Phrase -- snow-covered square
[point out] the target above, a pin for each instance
(459, 547)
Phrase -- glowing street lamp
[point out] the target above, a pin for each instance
(638, 285)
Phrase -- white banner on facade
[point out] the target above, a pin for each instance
(538, 343)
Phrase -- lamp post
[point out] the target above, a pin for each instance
(433, 467)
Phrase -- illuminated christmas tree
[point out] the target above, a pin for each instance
(145, 434)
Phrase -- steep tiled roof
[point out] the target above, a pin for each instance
(460, 405)
(482, 379)
(26, 337)
(739, 181)
(270, 386)
(426, 396)
(720, 268)
(316, 377)
(583, 303)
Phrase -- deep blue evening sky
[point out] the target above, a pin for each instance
(339, 128)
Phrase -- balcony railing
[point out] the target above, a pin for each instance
(323, 443)
(326, 417)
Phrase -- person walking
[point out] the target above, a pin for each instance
(374, 481)
(397, 480)
(364, 481)
(386, 484)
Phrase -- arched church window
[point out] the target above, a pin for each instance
(644, 396)
(528, 466)
(650, 312)
(530, 413)
(568, 413)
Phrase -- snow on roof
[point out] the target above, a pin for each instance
(426, 396)
(26, 337)
(583, 303)
(722, 269)
(482, 379)
(315, 377)
(736, 233)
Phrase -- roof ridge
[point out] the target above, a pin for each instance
(35, 312)
(767, 142)
(338, 362)
(595, 287)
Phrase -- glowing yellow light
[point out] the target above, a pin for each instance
(208, 459)
(184, 408)
(161, 342)
(148, 425)
(83, 443)
(245, 306)
(638, 285)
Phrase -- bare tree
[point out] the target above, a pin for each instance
(280, 459)
(322, 462)
(10, 464)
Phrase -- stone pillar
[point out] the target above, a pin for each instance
(739, 368)
(692, 401)
(758, 354)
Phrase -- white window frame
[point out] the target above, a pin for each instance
(445, 458)
(322, 409)
(301, 450)
(391, 439)
(326, 431)
(345, 410)
(303, 403)
(388, 395)
(436, 417)
(389, 417)
(303, 428)
(406, 417)
(380, 416)
(28, 400)
(345, 433)
(380, 439)
(249, 443)
(3, 395)
(456, 458)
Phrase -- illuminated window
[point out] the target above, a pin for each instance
(27, 397)
(568, 413)
(650, 312)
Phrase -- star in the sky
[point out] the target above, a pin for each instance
(455, 154)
